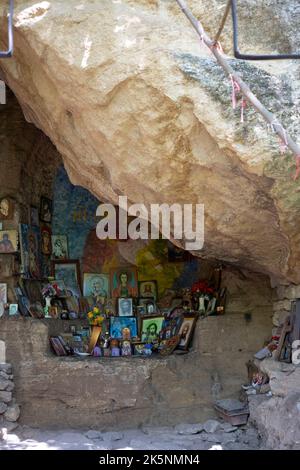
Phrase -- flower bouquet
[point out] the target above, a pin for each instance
(202, 294)
(96, 319)
(48, 293)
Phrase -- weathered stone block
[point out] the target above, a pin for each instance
(227, 427)
(211, 426)
(6, 368)
(5, 396)
(4, 375)
(3, 407)
(187, 429)
(279, 317)
(6, 385)
(282, 305)
(10, 387)
(12, 413)
(7, 426)
(292, 292)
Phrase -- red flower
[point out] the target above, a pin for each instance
(201, 287)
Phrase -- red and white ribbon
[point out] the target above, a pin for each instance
(235, 89)
(217, 45)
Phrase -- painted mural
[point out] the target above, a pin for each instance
(74, 210)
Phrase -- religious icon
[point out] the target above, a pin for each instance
(46, 240)
(186, 330)
(69, 272)
(6, 208)
(126, 334)
(34, 216)
(117, 325)
(151, 328)
(34, 252)
(110, 308)
(59, 246)
(126, 348)
(13, 309)
(148, 289)
(96, 285)
(8, 241)
(45, 209)
(124, 282)
(125, 307)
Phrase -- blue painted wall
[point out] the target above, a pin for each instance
(74, 211)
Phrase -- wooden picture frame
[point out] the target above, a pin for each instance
(124, 281)
(7, 208)
(46, 246)
(127, 309)
(148, 289)
(186, 330)
(8, 241)
(34, 216)
(96, 285)
(151, 327)
(149, 306)
(46, 210)
(117, 324)
(60, 248)
(58, 264)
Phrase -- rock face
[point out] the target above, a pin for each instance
(136, 106)
(278, 418)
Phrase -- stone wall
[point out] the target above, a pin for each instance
(9, 409)
(282, 305)
(28, 163)
(125, 392)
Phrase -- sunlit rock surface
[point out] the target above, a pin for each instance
(137, 106)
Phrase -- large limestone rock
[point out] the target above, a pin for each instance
(137, 106)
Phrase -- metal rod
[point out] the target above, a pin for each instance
(245, 90)
(9, 51)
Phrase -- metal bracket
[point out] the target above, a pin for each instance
(9, 51)
(237, 52)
